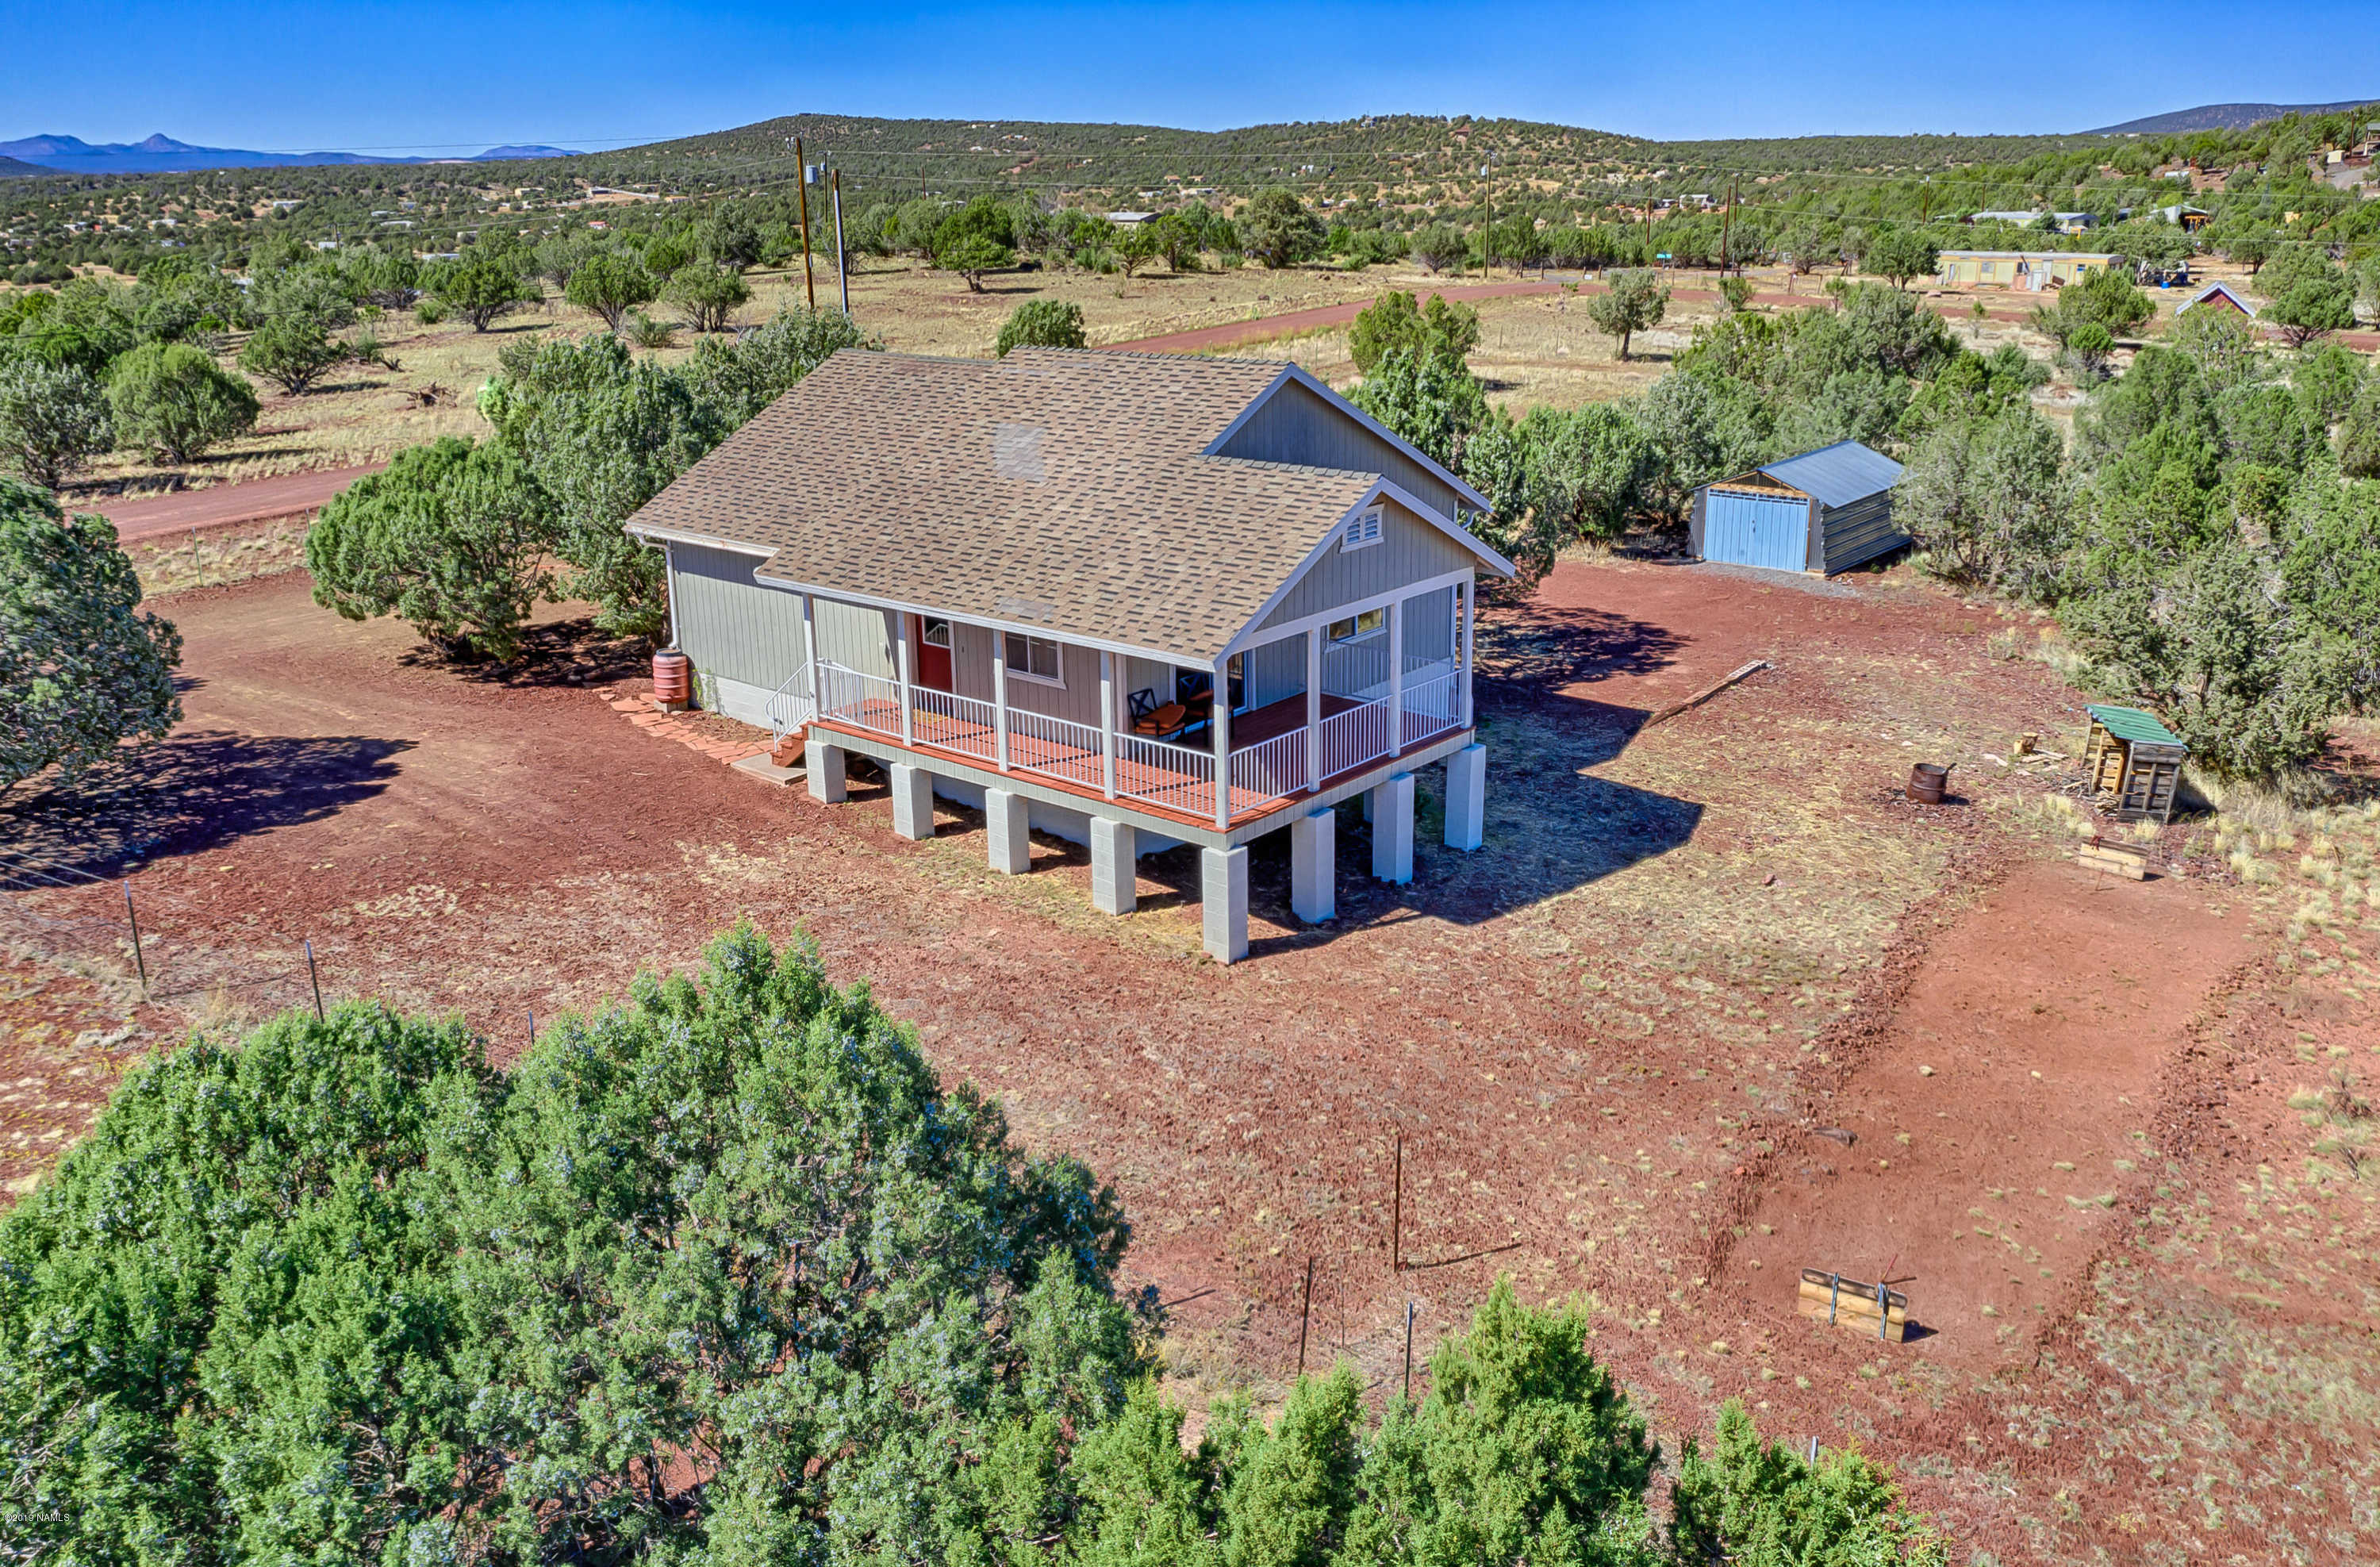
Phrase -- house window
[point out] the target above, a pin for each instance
(1361, 625)
(1035, 658)
(938, 632)
(1363, 528)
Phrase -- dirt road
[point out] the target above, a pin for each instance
(258, 500)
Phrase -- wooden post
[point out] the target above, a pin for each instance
(132, 921)
(1107, 723)
(316, 980)
(1219, 709)
(908, 724)
(810, 283)
(1305, 1316)
(841, 271)
(1314, 705)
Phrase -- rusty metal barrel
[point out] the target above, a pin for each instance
(673, 676)
(1927, 781)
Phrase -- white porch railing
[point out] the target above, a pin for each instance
(1057, 747)
(793, 705)
(955, 722)
(1357, 669)
(1431, 707)
(1173, 776)
(863, 701)
(1353, 737)
(1269, 770)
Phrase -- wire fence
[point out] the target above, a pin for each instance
(96, 923)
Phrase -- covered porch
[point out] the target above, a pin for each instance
(1303, 709)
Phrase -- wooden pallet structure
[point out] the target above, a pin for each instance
(2109, 857)
(2133, 762)
(1874, 1309)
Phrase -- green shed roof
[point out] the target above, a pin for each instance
(2133, 727)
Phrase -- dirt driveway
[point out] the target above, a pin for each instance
(1604, 1039)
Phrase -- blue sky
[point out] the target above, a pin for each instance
(422, 75)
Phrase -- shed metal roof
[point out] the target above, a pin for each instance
(2134, 727)
(1839, 474)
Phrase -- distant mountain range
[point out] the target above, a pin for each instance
(2211, 117)
(17, 168)
(161, 153)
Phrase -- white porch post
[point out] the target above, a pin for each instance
(1221, 709)
(810, 652)
(1396, 676)
(1314, 706)
(1469, 590)
(1000, 698)
(1107, 722)
(901, 646)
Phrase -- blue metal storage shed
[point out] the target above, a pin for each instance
(1824, 511)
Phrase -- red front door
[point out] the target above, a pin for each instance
(931, 637)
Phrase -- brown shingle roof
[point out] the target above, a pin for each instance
(1055, 488)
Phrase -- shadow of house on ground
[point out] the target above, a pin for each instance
(194, 792)
(1552, 826)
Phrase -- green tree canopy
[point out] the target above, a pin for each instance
(1898, 254)
(1276, 228)
(1427, 399)
(451, 537)
(1757, 1502)
(482, 288)
(1633, 301)
(173, 400)
(1042, 323)
(1396, 319)
(720, 1272)
(611, 284)
(709, 296)
(54, 418)
(83, 668)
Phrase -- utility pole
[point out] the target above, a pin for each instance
(1726, 222)
(810, 283)
(842, 276)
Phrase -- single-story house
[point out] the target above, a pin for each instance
(2020, 268)
(1824, 511)
(2190, 218)
(2068, 222)
(1134, 600)
(2220, 297)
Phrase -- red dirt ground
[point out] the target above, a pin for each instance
(257, 500)
(1605, 1039)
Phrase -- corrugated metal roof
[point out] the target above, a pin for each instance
(2132, 726)
(1839, 474)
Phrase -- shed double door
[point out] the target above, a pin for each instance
(1756, 530)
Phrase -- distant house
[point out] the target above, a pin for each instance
(1824, 511)
(2217, 297)
(1131, 220)
(2192, 218)
(2068, 222)
(1134, 600)
(2019, 269)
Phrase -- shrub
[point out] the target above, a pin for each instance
(646, 332)
(1042, 323)
(1634, 301)
(1396, 319)
(82, 667)
(343, 1292)
(1276, 228)
(175, 401)
(611, 284)
(481, 288)
(429, 311)
(709, 296)
(451, 539)
(54, 418)
(1751, 1502)
(292, 352)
